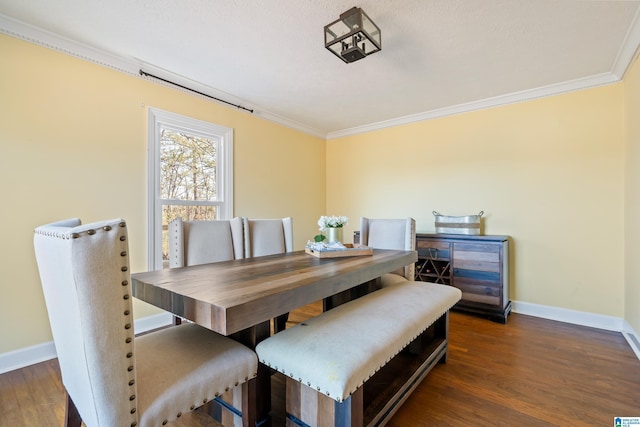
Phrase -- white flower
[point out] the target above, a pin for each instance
(332, 222)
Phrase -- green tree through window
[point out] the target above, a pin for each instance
(190, 172)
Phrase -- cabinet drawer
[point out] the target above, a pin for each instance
(476, 256)
(433, 249)
(475, 289)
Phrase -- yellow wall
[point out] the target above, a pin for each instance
(632, 197)
(73, 143)
(549, 173)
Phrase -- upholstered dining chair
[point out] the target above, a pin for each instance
(201, 242)
(194, 242)
(268, 237)
(111, 377)
(397, 234)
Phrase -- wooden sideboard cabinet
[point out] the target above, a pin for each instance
(477, 265)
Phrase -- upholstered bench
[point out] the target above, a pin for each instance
(328, 358)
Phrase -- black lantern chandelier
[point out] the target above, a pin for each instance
(353, 36)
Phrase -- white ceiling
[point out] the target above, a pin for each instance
(438, 56)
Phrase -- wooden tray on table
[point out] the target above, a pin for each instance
(349, 250)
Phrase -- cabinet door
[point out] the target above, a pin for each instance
(434, 261)
(477, 271)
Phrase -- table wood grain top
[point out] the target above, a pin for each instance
(230, 296)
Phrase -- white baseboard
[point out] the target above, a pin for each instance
(149, 323)
(632, 338)
(592, 320)
(26, 356)
(609, 323)
(39, 353)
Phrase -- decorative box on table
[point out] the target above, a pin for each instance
(334, 252)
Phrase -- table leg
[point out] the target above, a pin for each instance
(251, 337)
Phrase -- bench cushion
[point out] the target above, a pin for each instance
(337, 351)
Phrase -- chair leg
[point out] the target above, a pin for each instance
(72, 417)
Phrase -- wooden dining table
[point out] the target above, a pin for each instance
(238, 298)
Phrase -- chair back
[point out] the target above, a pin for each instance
(399, 234)
(202, 242)
(84, 270)
(267, 236)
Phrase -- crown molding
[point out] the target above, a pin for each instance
(512, 98)
(21, 30)
(628, 49)
(625, 57)
(272, 117)
(44, 38)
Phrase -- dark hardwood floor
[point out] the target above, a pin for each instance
(528, 372)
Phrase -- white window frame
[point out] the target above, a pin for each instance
(156, 120)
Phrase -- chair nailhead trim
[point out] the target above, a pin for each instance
(124, 282)
(165, 422)
(179, 414)
(91, 232)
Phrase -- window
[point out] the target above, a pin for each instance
(190, 166)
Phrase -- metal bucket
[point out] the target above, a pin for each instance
(469, 224)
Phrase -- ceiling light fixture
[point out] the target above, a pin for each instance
(353, 36)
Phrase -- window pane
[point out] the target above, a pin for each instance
(190, 174)
(188, 166)
(170, 212)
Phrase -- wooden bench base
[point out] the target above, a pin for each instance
(379, 398)
(306, 407)
(228, 408)
(358, 362)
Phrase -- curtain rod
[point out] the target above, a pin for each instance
(144, 73)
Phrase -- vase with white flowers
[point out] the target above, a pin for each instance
(332, 226)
